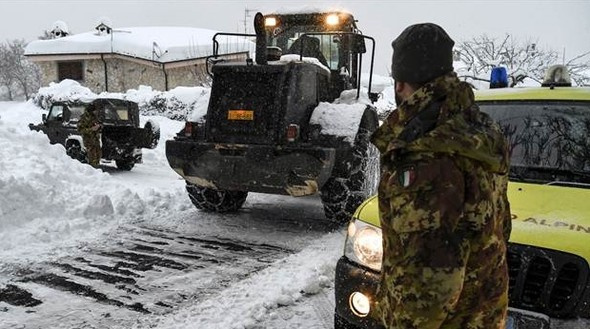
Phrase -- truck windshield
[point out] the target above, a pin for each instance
(116, 113)
(549, 140)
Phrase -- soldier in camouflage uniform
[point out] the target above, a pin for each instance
(90, 127)
(442, 196)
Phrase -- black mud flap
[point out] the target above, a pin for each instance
(148, 136)
(521, 319)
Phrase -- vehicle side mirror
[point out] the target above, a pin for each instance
(44, 118)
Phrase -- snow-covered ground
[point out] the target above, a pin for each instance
(60, 220)
(114, 249)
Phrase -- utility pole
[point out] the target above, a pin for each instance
(246, 16)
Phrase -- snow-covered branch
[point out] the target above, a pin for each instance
(523, 60)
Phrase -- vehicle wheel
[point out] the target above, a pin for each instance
(216, 200)
(125, 164)
(75, 152)
(342, 194)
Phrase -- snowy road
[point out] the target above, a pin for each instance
(141, 274)
(82, 248)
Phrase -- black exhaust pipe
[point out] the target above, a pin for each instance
(261, 58)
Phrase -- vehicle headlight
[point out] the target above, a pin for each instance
(332, 19)
(364, 244)
(270, 21)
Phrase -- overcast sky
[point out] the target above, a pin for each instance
(557, 24)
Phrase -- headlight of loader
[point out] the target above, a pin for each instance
(364, 244)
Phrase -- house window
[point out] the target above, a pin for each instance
(70, 70)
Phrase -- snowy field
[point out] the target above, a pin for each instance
(65, 230)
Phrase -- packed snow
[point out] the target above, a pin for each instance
(342, 117)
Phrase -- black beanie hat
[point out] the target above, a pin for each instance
(421, 53)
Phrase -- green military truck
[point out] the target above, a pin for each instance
(121, 137)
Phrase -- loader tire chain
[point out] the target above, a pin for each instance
(213, 200)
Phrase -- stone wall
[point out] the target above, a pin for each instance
(48, 72)
(93, 75)
(194, 75)
(124, 74)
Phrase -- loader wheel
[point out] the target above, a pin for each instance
(216, 200)
(341, 195)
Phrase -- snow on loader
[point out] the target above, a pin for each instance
(273, 125)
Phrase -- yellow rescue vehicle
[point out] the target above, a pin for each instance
(549, 192)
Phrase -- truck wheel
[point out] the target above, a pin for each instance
(216, 200)
(125, 164)
(75, 152)
(342, 194)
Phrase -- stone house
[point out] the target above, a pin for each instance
(116, 60)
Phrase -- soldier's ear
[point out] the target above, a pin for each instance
(398, 86)
(403, 89)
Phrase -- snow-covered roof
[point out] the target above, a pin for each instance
(161, 44)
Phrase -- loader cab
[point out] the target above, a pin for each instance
(301, 34)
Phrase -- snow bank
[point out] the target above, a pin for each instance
(49, 200)
(63, 91)
(44, 195)
(177, 104)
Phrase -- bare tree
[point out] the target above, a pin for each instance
(522, 59)
(579, 69)
(17, 73)
(6, 75)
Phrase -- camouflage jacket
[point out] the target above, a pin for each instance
(87, 121)
(444, 212)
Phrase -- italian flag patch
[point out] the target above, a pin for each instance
(407, 177)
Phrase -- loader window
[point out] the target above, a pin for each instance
(325, 48)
